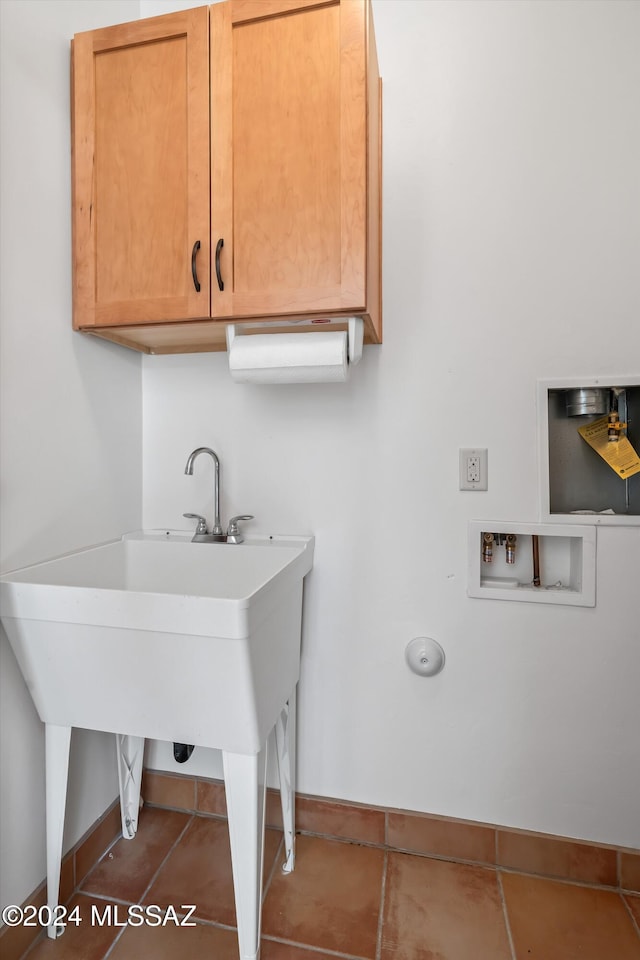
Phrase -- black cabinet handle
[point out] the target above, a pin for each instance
(219, 246)
(194, 273)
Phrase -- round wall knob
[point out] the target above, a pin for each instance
(425, 656)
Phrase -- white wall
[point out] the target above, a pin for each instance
(511, 250)
(70, 412)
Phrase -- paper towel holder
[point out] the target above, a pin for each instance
(355, 332)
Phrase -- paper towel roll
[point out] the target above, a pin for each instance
(289, 357)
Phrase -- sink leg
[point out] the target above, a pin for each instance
(245, 787)
(286, 748)
(130, 751)
(57, 741)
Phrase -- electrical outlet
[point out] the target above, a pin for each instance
(473, 469)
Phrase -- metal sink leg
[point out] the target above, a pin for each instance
(245, 781)
(286, 750)
(57, 741)
(130, 751)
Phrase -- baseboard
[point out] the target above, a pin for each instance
(443, 838)
(418, 833)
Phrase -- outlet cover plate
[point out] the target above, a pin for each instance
(474, 469)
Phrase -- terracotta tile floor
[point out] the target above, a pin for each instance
(343, 900)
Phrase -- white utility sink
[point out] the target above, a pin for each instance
(153, 636)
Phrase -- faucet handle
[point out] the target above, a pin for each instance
(233, 531)
(202, 523)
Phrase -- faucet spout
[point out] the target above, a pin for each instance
(217, 526)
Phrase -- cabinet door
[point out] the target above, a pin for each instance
(140, 144)
(289, 157)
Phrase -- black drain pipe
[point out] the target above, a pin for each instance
(182, 752)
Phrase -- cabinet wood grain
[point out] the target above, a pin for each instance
(140, 157)
(250, 129)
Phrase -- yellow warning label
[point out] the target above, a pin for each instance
(620, 455)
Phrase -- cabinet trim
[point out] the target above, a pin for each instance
(245, 10)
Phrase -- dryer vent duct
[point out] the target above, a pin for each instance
(587, 402)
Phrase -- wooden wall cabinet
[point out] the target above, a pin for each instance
(226, 167)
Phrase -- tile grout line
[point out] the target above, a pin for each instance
(506, 916)
(103, 896)
(448, 858)
(203, 922)
(634, 922)
(415, 814)
(383, 890)
(150, 884)
(149, 805)
(39, 939)
(110, 950)
(386, 812)
(551, 878)
(168, 854)
(485, 865)
(325, 951)
(429, 855)
(196, 920)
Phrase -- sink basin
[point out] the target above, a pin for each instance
(155, 636)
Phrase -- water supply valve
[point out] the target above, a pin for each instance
(615, 429)
(491, 540)
(487, 547)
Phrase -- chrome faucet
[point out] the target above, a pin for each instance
(217, 526)
(233, 534)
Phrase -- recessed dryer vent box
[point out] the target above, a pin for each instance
(566, 562)
(577, 485)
